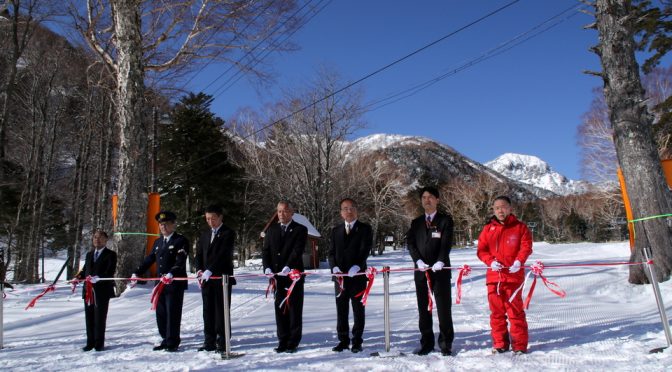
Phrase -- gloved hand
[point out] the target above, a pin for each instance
(353, 270)
(515, 267)
(495, 266)
(336, 270)
(206, 275)
(167, 278)
(94, 279)
(438, 266)
(268, 271)
(422, 265)
(133, 282)
(285, 271)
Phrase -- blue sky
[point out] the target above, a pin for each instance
(528, 99)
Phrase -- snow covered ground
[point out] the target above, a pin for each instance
(604, 323)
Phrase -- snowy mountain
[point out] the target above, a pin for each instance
(420, 158)
(533, 171)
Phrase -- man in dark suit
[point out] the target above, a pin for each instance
(351, 243)
(170, 252)
(282, 252)
(214, 257)
(429, 240)
(100, 262)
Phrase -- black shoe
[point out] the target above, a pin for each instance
(356, 348)
(500, 350)
(100, 348)
(519, 352)
(171, 349)
(87, 348)
(159, 347)
(221, 349)
(291, 350)
(207, 348)
(280, 349)
(423, 350)
(446, 352)
(340, 347)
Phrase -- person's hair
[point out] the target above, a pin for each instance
(287, 203)
(101, 232)
(503, 197)
(430, 189)
(354, 203)
(214, 208)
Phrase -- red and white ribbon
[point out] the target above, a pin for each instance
(294, 275)
(430, 293)
(339, 281)
(158, 289)
(370, 275)
(90, 294)
(50, 288)
(465, 270)
(537, 269)
(272, 285)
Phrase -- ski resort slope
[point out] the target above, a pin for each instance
(603, 323)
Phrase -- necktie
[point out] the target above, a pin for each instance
(165, 241)
(95, 255)
(284, 229)
(429, 221)
(347, 229)
(212, 237)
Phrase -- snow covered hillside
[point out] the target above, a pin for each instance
(533, 171)
(603, 323)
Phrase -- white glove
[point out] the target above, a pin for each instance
(133, 281)
(495, 266)
(438, 266)
(94, 279)
(422, 265)
(285, 271)
(268, 271)
(336, 270)
(515, 267)
(206, 275)
(169, 276)
(353, 270)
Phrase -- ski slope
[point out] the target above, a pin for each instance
(603, 323)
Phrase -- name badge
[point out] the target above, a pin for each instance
(436, 235)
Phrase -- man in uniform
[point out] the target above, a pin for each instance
(170, 252)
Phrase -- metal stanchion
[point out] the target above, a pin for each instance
(386, 309)
(659, 300)
(227, 320)
(2, 324)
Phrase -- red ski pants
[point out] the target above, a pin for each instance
(500, 310)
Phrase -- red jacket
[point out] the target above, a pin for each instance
(505, 243)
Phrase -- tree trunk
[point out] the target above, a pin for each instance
(133, 179)
(633, 138)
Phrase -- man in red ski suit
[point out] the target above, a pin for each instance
(504, 245)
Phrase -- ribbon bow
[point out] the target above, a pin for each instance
(537, 269)
(430, 293)
(294, 275)
(50, 288)
(465, 270)
(90, 294)
(370, 275)
(158, 289)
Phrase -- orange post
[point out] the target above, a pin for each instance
(153, 207)
(115, 208)
(628, 209)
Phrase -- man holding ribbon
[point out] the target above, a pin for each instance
(351, 243)
(504, 245)
(214, 257)
(99, 262)
(429, 240)
(169, 252)
(282, 257)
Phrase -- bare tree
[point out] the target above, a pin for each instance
(133, 38)
(635, 147)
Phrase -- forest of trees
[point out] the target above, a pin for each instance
(72, 135)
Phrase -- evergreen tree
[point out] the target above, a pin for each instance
(196, 167)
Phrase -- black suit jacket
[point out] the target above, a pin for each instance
(279, 251)
(170, 257)
(424, 243)
(218, 255)
(351, 249)
(104, 267)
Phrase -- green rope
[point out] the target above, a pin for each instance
(650, 217)
(135, 233)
